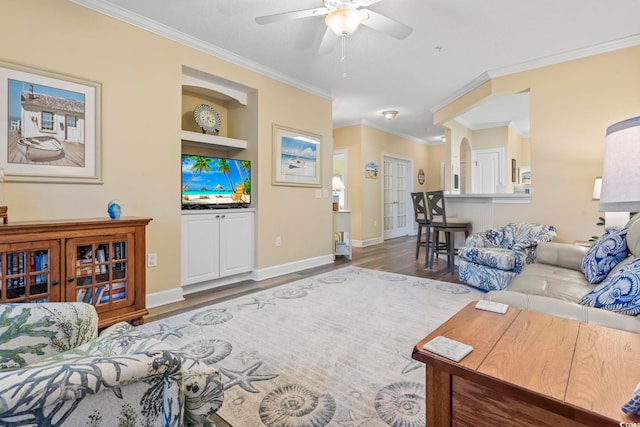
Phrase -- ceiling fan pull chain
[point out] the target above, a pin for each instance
(344, 55)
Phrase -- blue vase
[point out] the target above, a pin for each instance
(114, 208)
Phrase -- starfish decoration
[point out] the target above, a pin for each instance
(166, 331)
(245, 378)
(412, 365)
(259, 303)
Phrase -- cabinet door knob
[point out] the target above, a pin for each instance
(54, 283)
(71, 279)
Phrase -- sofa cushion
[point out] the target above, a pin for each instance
(610, 249)
(619, 293)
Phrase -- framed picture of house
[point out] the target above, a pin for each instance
(296, 157)
(50, 128)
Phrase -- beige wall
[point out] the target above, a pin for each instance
(366, 144)
(141, 116)
(572, 104)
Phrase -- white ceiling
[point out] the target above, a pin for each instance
(454, 45)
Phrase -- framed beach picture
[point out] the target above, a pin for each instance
(296, 157)
(49, 126)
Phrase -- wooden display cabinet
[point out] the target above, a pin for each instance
(97, 261)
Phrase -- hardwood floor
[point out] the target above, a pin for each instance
(394, 255)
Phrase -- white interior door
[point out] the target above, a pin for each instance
(486, 171)
(395, 197)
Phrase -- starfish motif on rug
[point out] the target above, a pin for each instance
(245, 378)
(166, 331)
(355, 421)
(412, 365)
(259, 302)
(246, 356)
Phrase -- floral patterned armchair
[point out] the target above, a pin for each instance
(55, 370)
(491, 259)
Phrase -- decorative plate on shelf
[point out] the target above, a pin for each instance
(207, 118)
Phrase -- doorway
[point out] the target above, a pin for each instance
(487, 170)
(395, 200)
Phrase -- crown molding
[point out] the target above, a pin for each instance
(611, 46)
(162, 30)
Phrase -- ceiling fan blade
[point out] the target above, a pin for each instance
(329, 41)
(386, 25)
(288, 16)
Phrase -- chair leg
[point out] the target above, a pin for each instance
(434, 247)
(451, 256)
(427, 244)
(418, 241)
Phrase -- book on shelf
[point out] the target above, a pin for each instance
(84, 271)
(118, 291)
(100, 256)
(119, 250)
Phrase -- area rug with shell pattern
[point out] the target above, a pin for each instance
(329, 350)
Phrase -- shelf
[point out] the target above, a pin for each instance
(213, 141)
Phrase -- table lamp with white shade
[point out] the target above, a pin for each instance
(611, 219)
(336, 185)
(621, 170)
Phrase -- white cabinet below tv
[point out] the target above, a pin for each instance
(216, 244)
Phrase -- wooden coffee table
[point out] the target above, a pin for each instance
(530, 369)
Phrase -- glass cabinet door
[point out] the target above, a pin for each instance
(30, 272)
(101, 270)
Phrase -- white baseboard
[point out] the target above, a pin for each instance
(292, 267)
(157, 299)
(368, 242)
(210, 284)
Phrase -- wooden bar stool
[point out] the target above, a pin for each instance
(420, 215)
(449, 226)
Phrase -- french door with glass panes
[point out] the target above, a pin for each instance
(395, 197)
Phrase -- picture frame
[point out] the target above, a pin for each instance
(296, 157)
(513, 170)
(50, 126)
(371, 170)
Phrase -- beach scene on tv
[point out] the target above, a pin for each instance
(211, 181)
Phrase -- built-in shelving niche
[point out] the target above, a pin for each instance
(227, 96)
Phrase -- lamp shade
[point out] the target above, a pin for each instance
(337, 184)
(621, 169)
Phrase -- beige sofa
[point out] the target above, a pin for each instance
(555, 284)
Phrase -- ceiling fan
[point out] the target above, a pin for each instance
(343, 17)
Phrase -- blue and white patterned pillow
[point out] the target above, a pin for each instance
(619, 293)
(610, 249)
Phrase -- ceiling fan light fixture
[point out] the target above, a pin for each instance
(390, 114)
(344, 20)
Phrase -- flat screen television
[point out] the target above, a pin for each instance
(215, 182)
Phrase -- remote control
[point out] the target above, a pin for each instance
(496, 307)
(448, 348)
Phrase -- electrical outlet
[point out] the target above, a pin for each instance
(278, 241)
(152, 260)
